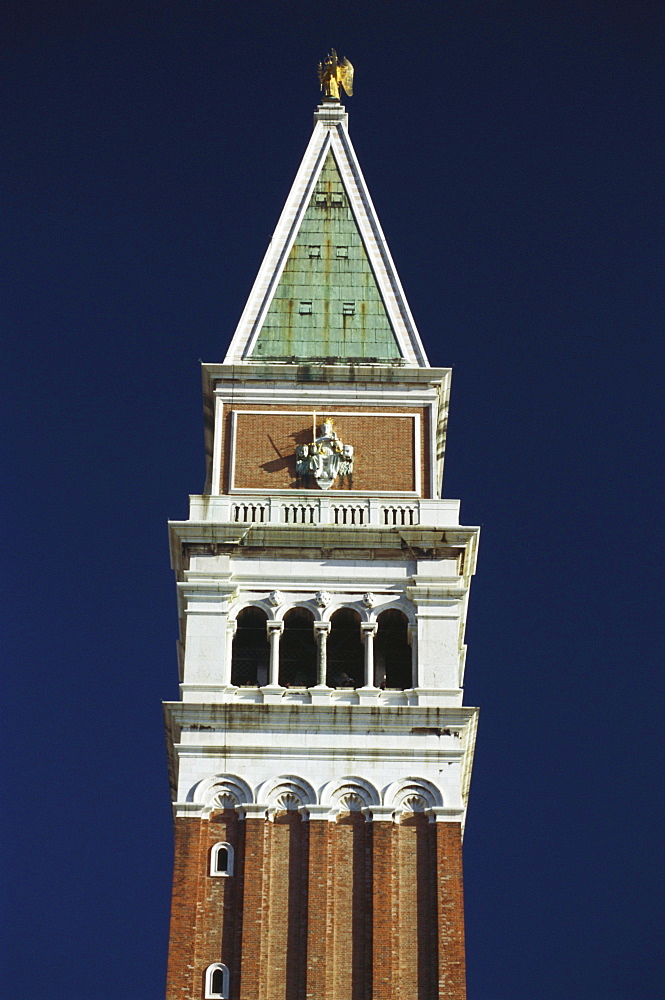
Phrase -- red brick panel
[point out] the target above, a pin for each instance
(186, 878)
(286, 956)
(450, 905)
(384, 912)
(204, 908)
(249, 967)
(319, 912)
(417, 878)
(383, 447)
(407, 903)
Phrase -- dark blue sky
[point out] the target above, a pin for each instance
(515, 155)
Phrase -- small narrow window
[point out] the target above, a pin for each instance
(221, 859)
(217, 982)
(315, 251)
(321, 199)
(336, 199)
(348, 308)
(342, 252)
(305, 308)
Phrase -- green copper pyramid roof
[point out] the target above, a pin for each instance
(327, 303)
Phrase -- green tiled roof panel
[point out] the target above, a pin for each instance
(327, 303)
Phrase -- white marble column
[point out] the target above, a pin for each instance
(274, 630)
(367, 632)
(321, 630)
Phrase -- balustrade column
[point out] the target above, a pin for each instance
(274, 630)
(367, 632)
(321, 630)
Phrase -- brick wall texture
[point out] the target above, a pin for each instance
(384, 459)
(318, 910)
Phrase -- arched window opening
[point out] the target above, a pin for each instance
(221, 860)
(346, 655)
(217, 982)
(297, 649)
(392, 653)
(251, 656)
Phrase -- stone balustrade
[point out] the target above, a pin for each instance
(308, 508)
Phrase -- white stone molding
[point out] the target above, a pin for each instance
(412, 637)
(350, 794)
(297, 602)
(379, 509)
(322, 598)
(369, 600)
(276, 598)
(397, 602)
(231, 629)
(245, 602)
(215, 851)
(212, 985)
(286, 793)
(412, 795)
(254, 810)
(381, 814)
(222, 791)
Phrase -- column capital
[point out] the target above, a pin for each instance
(251, 810)
(322, 627)
(272, 627)
(368, 628)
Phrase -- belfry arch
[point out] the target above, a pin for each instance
(392, 652)
(346, 657)
(250, 653)
(297, 649)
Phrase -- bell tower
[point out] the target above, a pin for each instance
(320, 753)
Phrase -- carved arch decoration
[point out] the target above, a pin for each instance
(292, 603)
(222, 791)
(387, 602)
(287, 793)
(350, 795)
(242, 604)
(412, 795)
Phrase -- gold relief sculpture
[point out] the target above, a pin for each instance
(334, 73)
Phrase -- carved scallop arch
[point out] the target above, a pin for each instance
(287, 793)
(349, 794)
(222, 791)
(412, 795)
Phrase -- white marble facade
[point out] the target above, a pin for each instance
(371, 746)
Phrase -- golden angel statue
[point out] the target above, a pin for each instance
(334, 72)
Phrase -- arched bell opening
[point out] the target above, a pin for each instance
(346, 656)
(392, 653)
(251, 654)
(297, 649)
